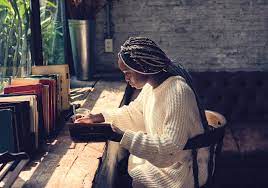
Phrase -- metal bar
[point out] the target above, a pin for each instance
(64, 26)
(108, 19)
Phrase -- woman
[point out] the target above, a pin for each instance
(156, 126)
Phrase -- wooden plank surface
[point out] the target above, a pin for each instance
(68, 164)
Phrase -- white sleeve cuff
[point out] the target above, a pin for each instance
(127, 138)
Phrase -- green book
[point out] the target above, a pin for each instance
(7, 138)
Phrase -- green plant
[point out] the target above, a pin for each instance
(51, 29)
(15, 33)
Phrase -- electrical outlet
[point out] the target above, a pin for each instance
(108, 45)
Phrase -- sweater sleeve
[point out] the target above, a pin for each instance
(128, 117)
(163, 150)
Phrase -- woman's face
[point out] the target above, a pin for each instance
(134, 79)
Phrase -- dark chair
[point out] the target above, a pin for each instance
(212, 138)
(216, 120)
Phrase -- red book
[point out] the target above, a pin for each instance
(21, 89)
(52, 100)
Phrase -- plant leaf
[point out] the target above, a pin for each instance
(51, 4)
(6, 4)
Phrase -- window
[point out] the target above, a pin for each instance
(15, 57)
(52, 31)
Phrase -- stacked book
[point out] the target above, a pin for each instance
(30, 107)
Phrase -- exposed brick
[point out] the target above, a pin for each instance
(202, 34)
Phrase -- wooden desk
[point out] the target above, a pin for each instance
(68, 164)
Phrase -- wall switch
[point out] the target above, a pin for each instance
(108, 45)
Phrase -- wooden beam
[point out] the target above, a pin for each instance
(36, 36)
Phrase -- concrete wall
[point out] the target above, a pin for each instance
(202, 34)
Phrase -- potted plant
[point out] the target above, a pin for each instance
(81, 20)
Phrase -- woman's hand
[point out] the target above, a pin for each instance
(84, 120)
(98, 118)
(89, 119)
(75, 117)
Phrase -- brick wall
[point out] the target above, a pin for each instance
(202, 34)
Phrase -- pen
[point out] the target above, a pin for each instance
(74, 110)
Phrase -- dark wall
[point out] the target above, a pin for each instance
(202, 34)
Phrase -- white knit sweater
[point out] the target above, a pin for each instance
(157, 125)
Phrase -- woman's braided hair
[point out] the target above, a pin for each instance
(143, 55)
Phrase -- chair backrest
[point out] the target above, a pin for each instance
(212, 138)
(217, 121)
